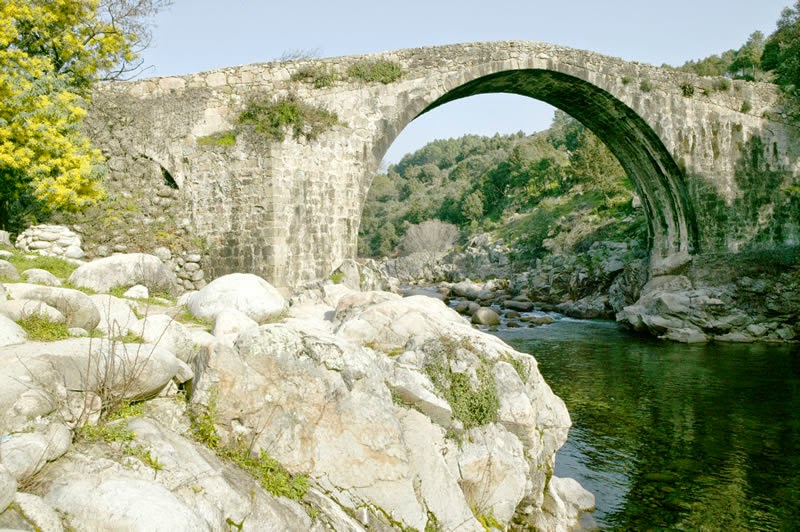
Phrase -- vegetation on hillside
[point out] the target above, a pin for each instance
(519, 185)
(775, 58)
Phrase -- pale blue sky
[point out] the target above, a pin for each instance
(198, 35)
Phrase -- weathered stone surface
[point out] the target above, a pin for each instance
(229, 323)
(38, 513)
(92, 505)
(52, 240)
(138, 291)
(23, 455)
(117, 316)
(136, 371)
(126, 270)
(564, 500)
(73, 304)
(166, 333)
(8, 487)
(10, 332)
(246, 293)
(38, 276)
(18, 309)
(486, 316)
(8, 271)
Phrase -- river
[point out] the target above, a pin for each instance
(672, 436)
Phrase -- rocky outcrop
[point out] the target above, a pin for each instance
(126, 270)
(730, 303)
(383, 412)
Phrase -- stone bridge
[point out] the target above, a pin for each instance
(716, 162)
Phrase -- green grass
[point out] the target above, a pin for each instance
(57, 266)
(41, 328)
(273, 119)
(272, 476)
(223, 139)
(129, 338)
(337, 277)
(378, 71)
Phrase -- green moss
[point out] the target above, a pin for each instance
(106, 432)
(223, 139)
(129, 338)
(41, 328)
(273, 119)
(337, 277)
(377, 71)
(473, 406)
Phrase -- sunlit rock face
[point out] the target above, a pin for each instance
(713, 163)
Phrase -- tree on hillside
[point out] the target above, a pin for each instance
(51, 53)
(782, 50)
(747, 60)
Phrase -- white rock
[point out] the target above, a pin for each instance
(74, 252)
(26, 453)
(8, 487)
(494, 471)
(229, 323)
(38, 276)
(116, 315)
(126, 270)
(164, 331)
(18, 309)
(164, 254)
(10, 332)
(130, 504)
(40, 514)
(135, 371)
(137, 292)
(8, 271)
(73, 304)
(485, 316)
(416, 389)
(5, 238)
(244, 292)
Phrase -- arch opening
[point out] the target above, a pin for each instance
(659, 182)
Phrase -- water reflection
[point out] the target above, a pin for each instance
(675, 436)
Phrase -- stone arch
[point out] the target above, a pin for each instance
(659, 181)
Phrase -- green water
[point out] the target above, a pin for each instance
(675, 437)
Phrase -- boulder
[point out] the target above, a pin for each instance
(10, 332)
(38, 276)
(117, 316)
(8, 487)
(18, 309)
(245, 292)
(73, 304)
(92, 504)
(494, 471)
(486, 316)
(8, 271)
(38, 513)
(131, 371)
(138, 291)
(467, 289)
(564, 501)
(229, 323)
(522, 306)
(23, 455)
(126, 270)
(166, 333)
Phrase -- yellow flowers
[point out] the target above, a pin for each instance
(51, 52)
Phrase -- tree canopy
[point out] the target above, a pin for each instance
(51, 53)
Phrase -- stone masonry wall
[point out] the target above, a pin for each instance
(698, 153)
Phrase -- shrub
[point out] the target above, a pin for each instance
(626, 80)
(746, 107)
(319, 76)
(687, 89)
(272, 119)
(430, 235)
(377, 71)
(722, 84)
(645, 86)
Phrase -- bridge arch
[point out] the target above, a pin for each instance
(657, 178)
